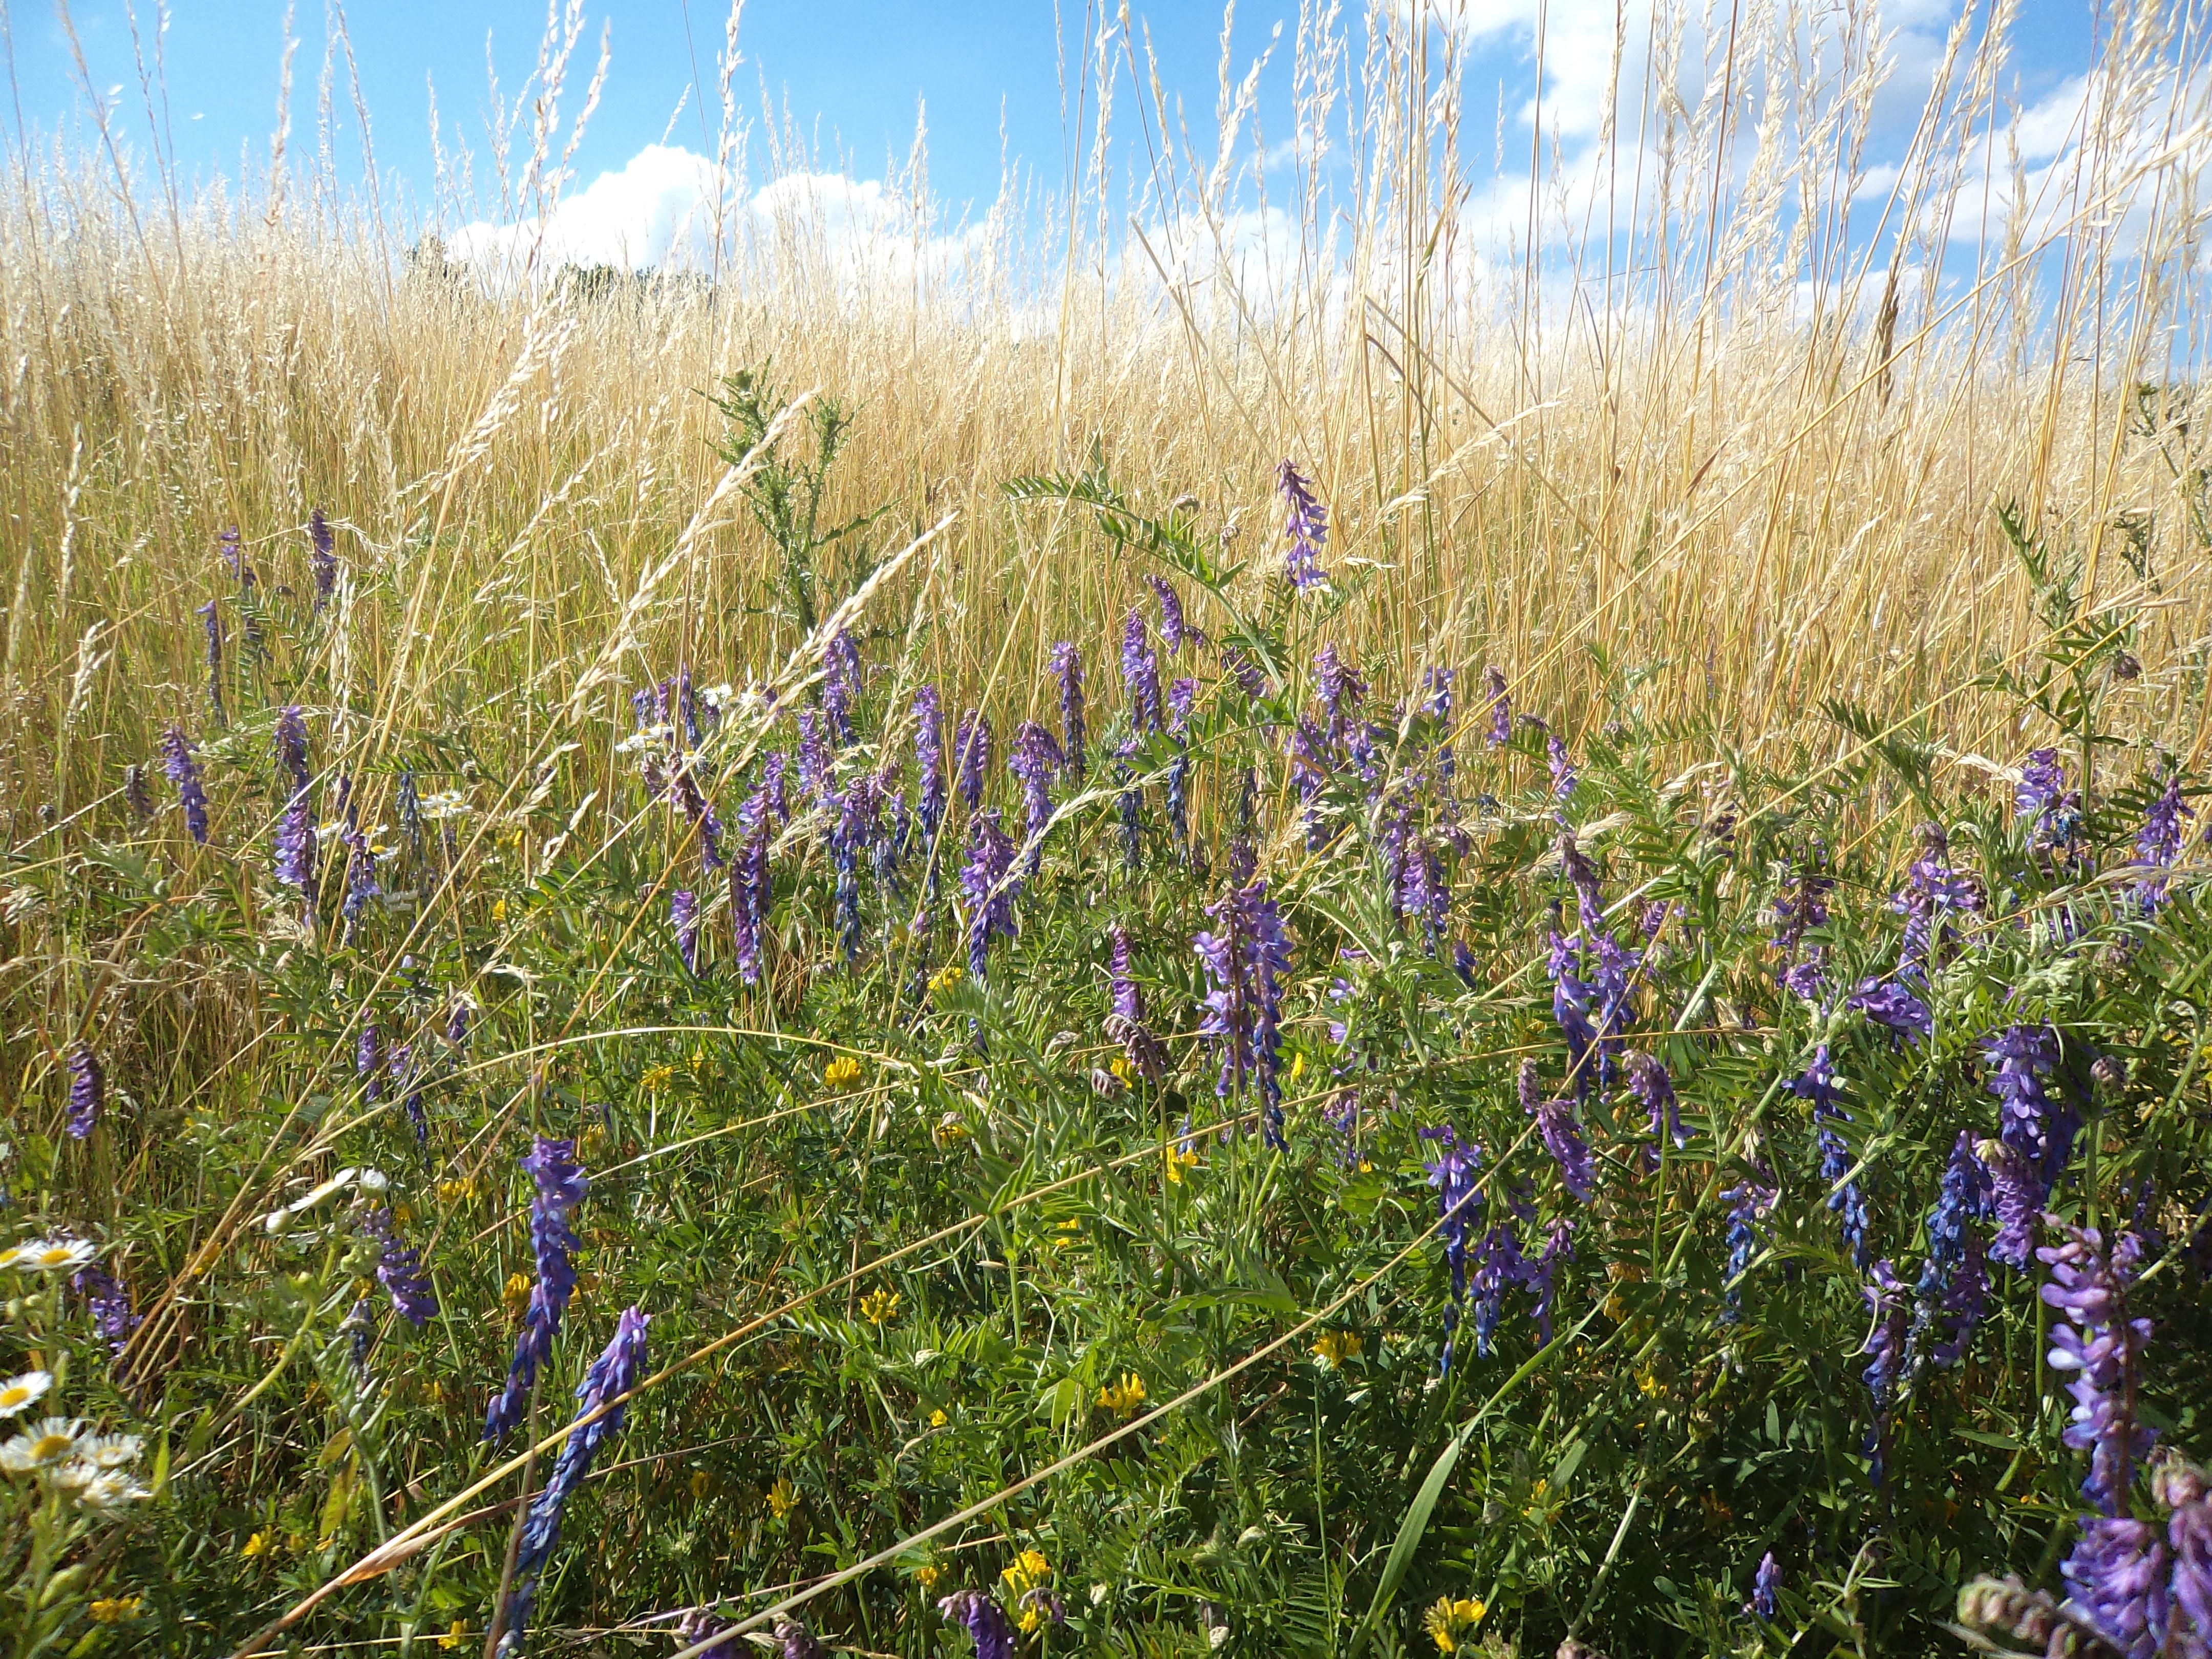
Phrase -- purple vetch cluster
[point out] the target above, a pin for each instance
(560, 1187)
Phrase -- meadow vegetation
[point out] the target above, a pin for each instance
(1256, 907)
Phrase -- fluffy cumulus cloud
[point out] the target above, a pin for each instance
(665, 209)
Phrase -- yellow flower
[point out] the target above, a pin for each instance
(1179, 1159)
(1030, 1569)
(879, 1308)
(260, 1544)
(1031, 1620)
(498, 914)
(516, 1294)
(1120, 1067)
(656, 1078)
(114, 1610)
(950, 1130)
(1333, 1348)
(461, 1191)
(1297, 1066)
(1126, 1396)
(1450, 1623)
(782, 1497)
(945, 977)
(701, 1483)
(456, 1635)
(927, 1576)
(938, 1419)
(841, 1072)
(1069, 1230)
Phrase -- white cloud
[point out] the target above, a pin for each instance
(665, 209)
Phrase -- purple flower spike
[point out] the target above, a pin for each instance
(1562, 1135)
(292, 747)
(613, 1375)
(1245, 958)
(88, 1091)
(841, 685)
(2041, 1130)
(1068, 668)
(1747, 1202)
(551, 1164)
(1885, 1345)
(1035, 759)
(814, 758)
(213, 617)
(1306, 528)
(683, 917)
(322, 558)
(986, 1624)
(1953, 1289)
(1562, 767)
(108, 1303)
(369, 1063)
(1141, 675)
(1648, 1082)
(1125, 1022)
(1886, 1002)
(2159, 842)
(751, 892)
(929, 759)
(183, 771)
(1764, 1583)
(399, 1269)
(1500, 706)
(987, 890)
(1181, 694)
(1341, 689)
(1175, 630)
(2102, 1346)
(1459, 1202)
(971, 758)
(2117, 1581)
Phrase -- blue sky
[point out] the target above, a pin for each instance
(850, 72)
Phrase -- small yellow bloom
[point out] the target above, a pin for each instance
(260, 1544)
(945, 977)
(938, 1419)
(114, 1610)
(1126, 1396)
(950, 1130)
(1120, 1067)
(841, 1072)
(927, 1576)
(879, 1308)
(1333, 1348)
(498, 914)
(1179, 1159)
(1066, 1233)
(1450, 1623)
(516, 1294)
(461, 1191)
(782, 1497)
(1031, 1620)
(656, 1078)
(701, 1483)
(1297, 1066)
(1029, 1571)
(456, 1635)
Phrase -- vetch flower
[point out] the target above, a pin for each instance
(1764, 1583)
(2041, 1130)
(929, 758)
(1068, 668)
(1181, 694)
(109, 1304)
(1033, 760)
(1885, 1294)
(1562, 1136)
(213, 617)
(1933, 893)
(1889, 1003)
(183, 771)
(368, 1062)
(1246, 956)
(2159, 842)
(399, 1268)
(560, 1187)
(1175, 630)
(1747, 1202)
(2101, 1344)
(1459, 1202)
(407, 1082)
(986, 1625)
(1500, 706)
(1125, 1023)
(841, 685)
(986, 888)
(1817, 1085)
(751, 889)
(1648, 1082)
(613, 1375)
(2116, 1580)
(814, 759)
(1953, 1288)
(1562, 765)
(1141, 675)
(1306, 529)
(971, 758)
(87, 1091)
(322, 558)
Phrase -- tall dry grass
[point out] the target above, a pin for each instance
(1736, 419)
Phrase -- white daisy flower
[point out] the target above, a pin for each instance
(41, 1446)
(52, 1255)
(110, 1451)
(111, 1489)
(20, 1392)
